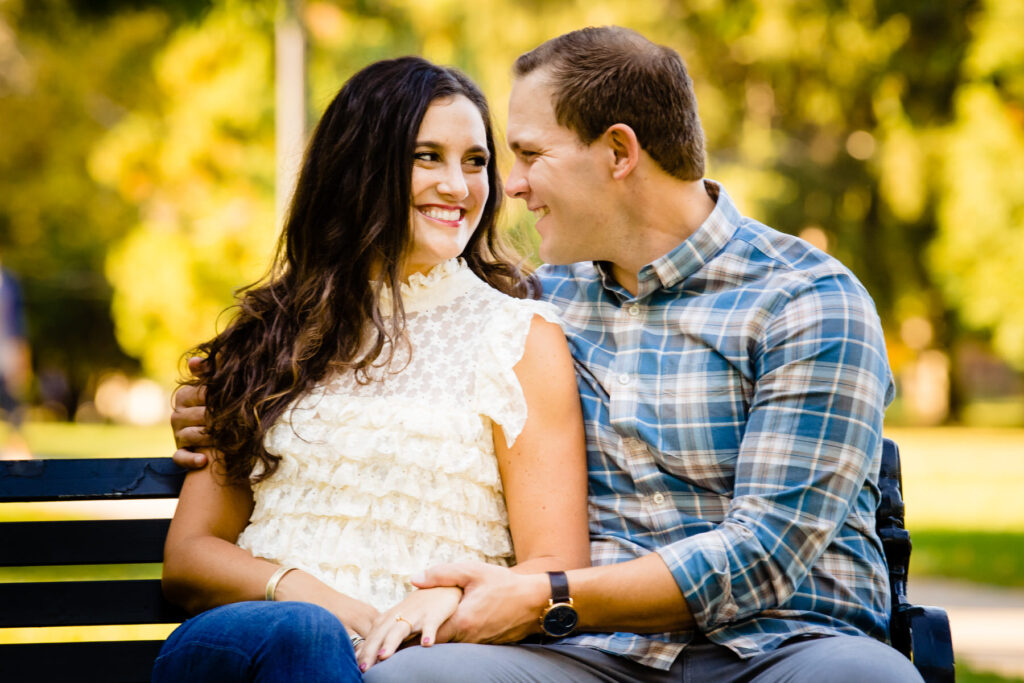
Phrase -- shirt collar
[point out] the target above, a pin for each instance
(692, 254)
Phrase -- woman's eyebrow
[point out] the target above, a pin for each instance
(438, 145)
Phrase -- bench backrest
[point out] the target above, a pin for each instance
(26, 544)
(92, 542)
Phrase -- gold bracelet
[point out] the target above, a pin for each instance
(275, 578)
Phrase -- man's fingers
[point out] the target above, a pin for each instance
(187, 396)
(457, 574)
(195, 364)
(446, 633)
(189, 460)
(188, 417)
(192, 438)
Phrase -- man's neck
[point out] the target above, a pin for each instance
(669, 211)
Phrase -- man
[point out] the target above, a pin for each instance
(733, 382)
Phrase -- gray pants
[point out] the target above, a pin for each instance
(837, 659)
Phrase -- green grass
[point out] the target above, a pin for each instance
(962, 478)
(990, 557)
(69, 440)
(965, 674)
(963, 488)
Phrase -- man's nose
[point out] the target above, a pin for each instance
(516, 185)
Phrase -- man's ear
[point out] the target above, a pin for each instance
(625, 148)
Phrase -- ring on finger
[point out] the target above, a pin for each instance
(401, 618)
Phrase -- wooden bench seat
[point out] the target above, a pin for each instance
(921, 633)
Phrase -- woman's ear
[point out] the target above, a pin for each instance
(625, 149)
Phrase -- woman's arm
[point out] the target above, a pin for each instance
(203, 567)
(544, 472)
(544, 476)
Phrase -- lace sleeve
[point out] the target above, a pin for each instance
(498, 393)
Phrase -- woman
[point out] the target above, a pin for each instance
(372, 400)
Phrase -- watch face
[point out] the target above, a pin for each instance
(560, 620)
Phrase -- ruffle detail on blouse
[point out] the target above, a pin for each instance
(445, 281)
(350, 556)
(372, 490)
(498, 392)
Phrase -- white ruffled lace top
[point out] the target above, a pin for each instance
(379, 481)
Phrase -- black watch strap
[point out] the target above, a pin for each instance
(559, 587)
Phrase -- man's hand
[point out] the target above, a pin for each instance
(188, 420)
(498, 605)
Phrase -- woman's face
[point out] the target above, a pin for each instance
(449, 182)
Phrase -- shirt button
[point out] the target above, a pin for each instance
(659, 498)
(623, 378)
(634, 310)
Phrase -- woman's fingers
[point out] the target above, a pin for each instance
(398, 632)
(428, 634)
(387, 634)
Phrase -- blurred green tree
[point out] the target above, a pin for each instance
(978, 252)
(64, 80)
(866, 127)
(198, 162)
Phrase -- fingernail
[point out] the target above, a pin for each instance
(362, 667)
(382, 652)
(426, 641)
(419, 577)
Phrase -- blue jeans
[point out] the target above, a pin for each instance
(259, 641)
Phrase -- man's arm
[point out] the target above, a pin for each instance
(813, 430)
(811, 439)
(188, 420)
(500, 606)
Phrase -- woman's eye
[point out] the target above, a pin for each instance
(479, 162)
(426, 156)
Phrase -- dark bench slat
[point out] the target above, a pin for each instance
(121, 541)
(80, 603)
(121, 662)
(93, 479)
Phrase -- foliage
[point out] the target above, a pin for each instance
(980, 246)
(198, 163)
(62, 83)
(891, 133)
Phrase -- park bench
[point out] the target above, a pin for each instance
(921, 633)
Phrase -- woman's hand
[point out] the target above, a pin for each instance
(422, 611)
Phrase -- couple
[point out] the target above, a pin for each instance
(389, 415)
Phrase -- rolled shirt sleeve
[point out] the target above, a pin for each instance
(813, 434)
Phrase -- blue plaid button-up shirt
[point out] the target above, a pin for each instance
(733, 411)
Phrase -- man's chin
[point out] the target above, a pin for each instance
(556, 257)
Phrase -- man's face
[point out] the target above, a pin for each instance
(561, 180)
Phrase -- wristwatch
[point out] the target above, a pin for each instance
(560, 617)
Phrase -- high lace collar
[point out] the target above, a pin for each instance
(441, 284)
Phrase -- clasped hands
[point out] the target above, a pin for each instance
(469, 602)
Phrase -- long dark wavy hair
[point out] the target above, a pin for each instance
(346, 237)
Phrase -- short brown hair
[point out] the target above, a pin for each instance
(608, 75)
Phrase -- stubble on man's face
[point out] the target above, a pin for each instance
(554, 173)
